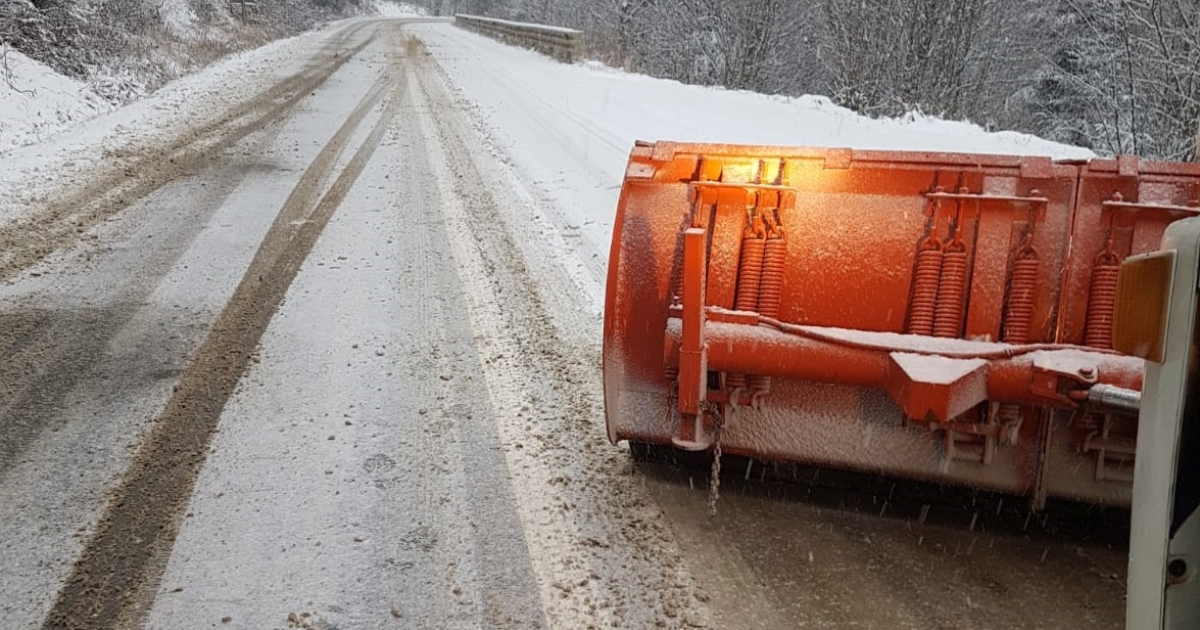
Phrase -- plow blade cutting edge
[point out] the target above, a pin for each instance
(943, 317)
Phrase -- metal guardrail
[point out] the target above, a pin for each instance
(564, 44)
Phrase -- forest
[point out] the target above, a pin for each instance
(1116, 76)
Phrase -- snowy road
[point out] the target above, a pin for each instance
(312, 341)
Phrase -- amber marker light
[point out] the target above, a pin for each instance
(1143, 293)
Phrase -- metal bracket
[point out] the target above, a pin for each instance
(693, 351)
(1110, 449)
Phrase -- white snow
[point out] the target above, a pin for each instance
(30, 172)
(36, 102)
(934, 369)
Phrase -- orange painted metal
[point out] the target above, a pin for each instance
(692, 387)
(926, 315)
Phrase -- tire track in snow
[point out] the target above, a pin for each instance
(555, 123)
(113, 583)
(48, 352)
(409, 513)
(556, 228)
(132, 173)
(600, 551)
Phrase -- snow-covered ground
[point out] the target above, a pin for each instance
(37, 103)
(39, 154)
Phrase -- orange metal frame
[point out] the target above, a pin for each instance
(936, 316)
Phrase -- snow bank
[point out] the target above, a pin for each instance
(810, 120)
(36, 102)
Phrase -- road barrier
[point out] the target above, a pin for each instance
(564, 44)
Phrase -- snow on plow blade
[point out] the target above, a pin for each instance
(945, 317)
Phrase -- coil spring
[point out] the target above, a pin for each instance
(928, 270)
(952, 293)
(750, 274)
(771, 287)
(1102, 299)
(770, 294)
(1018, 317)
(749, 280)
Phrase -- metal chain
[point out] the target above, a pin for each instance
(713, 411)
(714, 482)
(672, 400)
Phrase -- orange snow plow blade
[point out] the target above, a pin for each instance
(944, 317)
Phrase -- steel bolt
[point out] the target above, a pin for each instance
(1177, 568)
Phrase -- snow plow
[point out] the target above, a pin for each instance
(931, 316)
